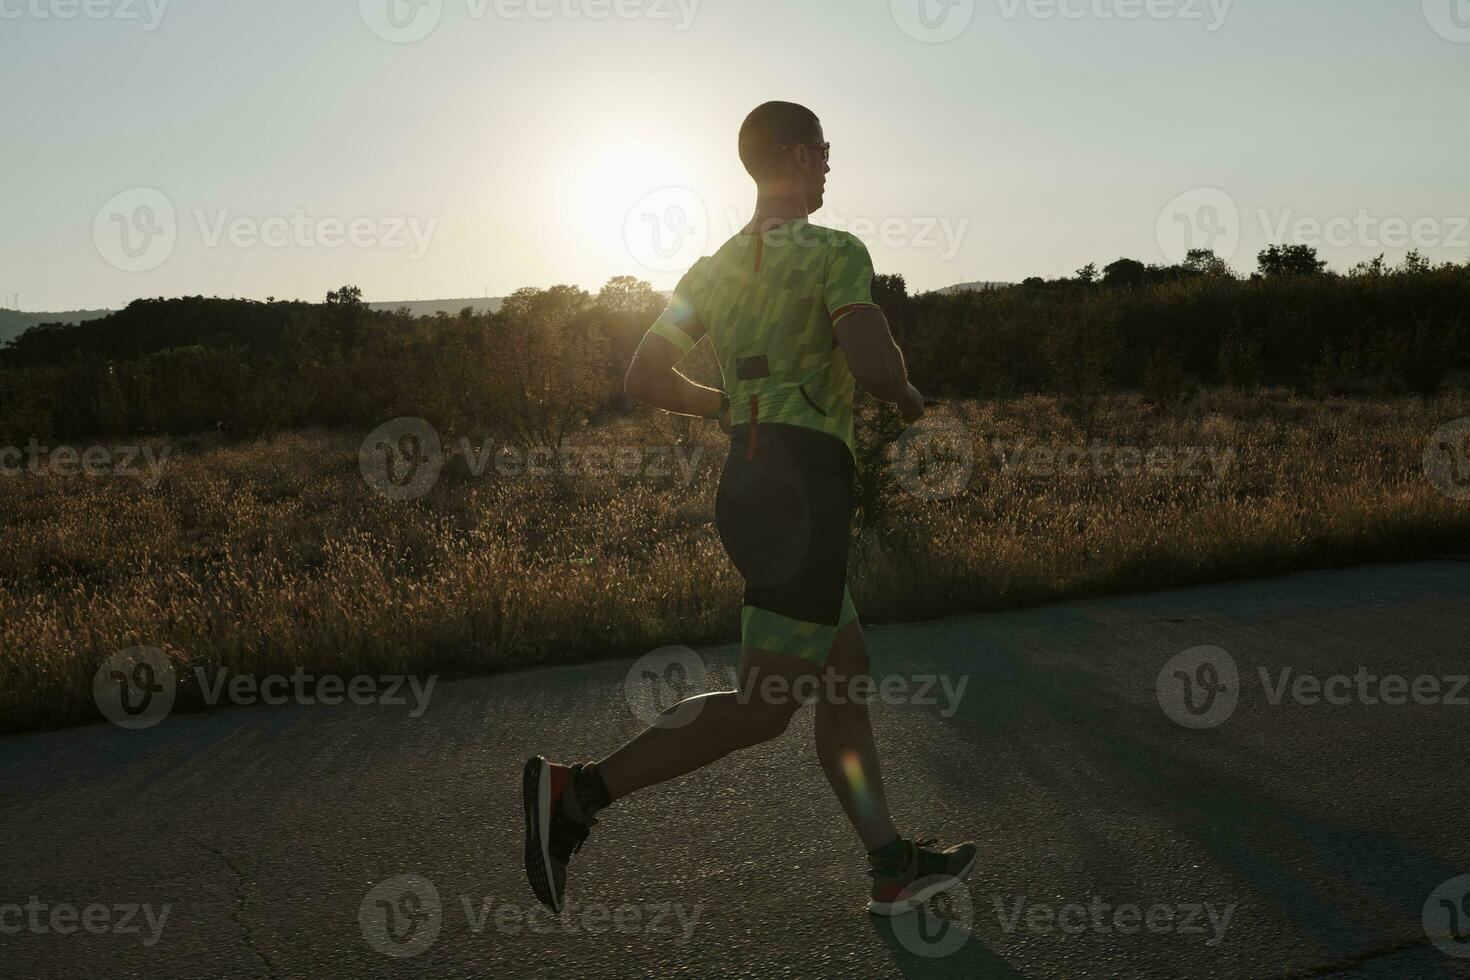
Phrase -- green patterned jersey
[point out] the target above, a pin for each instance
(769, 304)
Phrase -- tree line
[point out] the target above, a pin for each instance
(550, 359)
(1166, 330)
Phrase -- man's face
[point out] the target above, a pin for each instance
(814, 169)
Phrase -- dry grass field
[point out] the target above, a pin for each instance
(278, 554)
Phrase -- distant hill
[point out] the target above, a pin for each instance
(13, 323)
(431, 307)
(973, 287)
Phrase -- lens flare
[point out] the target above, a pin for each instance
(857, 780)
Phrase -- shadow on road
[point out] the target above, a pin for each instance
(1328, 862)
(926, 947)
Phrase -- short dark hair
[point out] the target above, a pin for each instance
(770, 127)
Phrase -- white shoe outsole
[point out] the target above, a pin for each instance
(538, 822)
(911, 902)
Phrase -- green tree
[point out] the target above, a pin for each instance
(1289, 260)
(1124, 272)
(626, 307)
(627, 294)
(110, 406)
(1206, 263)
(555, 370)
(1374, 269)
(1415, 264)
(1240, 359)
(346, 296)
(891, 292)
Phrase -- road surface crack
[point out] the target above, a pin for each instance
(238, 915)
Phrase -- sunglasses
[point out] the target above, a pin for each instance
(826, 149)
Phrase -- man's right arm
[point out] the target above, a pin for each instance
(876, 362)
(862, 329)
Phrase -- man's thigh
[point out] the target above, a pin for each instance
(777, 680)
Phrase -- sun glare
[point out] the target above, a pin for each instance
(612, 182)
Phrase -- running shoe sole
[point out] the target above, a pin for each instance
(536, 793)
(937, 887)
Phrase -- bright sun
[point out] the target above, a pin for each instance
(614, 180)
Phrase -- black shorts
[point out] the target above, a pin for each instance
(784, 513)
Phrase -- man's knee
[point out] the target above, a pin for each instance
(848, 676)
(849, 652)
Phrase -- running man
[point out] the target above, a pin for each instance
(788, 308)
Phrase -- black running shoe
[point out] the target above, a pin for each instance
(917, 875)
(552, 837)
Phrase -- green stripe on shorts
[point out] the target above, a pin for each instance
(812, 642)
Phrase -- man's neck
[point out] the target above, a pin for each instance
(772, 211)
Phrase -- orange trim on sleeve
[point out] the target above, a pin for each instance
(843, 311)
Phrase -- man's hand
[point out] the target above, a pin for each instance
(912, 406)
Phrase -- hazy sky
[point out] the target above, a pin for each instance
(446, 148)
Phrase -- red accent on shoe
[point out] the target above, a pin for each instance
(561, 780)
(887, 894)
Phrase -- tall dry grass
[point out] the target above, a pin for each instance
(266, 557)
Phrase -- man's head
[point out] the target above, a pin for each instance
(781, 146)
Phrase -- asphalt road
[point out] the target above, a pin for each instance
(1287, 839)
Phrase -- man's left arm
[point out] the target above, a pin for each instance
(652, 377)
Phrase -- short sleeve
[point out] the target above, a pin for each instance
(849, 278)
(679, 323)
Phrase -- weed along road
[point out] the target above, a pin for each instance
(1258, 779)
